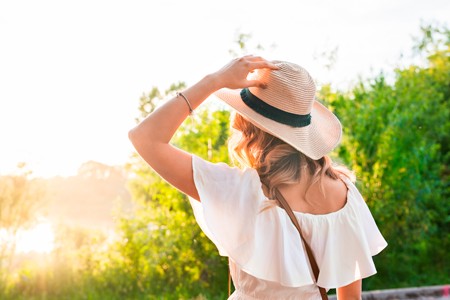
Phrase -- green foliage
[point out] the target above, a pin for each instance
(397, 138)
(161, 249)
(69, 272)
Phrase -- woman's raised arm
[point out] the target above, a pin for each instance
(152, 136)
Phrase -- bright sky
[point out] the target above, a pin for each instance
(72, 72)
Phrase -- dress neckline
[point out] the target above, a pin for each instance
(336, 212)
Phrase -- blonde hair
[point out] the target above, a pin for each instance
(276, 161)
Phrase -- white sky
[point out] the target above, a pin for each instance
(72, 72)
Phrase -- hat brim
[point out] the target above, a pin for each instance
(315, 140)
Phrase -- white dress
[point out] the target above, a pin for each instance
(267, 258)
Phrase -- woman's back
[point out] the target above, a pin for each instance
(321, 197)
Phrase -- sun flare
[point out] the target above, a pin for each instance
(39, 238)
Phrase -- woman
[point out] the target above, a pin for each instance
(281, 138)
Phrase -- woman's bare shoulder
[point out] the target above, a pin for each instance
(335, 191)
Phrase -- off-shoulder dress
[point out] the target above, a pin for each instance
(267, 259)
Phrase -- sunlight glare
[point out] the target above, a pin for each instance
(39, 238)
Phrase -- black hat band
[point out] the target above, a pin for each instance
(272, 112)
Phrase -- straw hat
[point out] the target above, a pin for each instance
(286, 108)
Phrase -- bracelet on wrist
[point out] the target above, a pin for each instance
(187, 102)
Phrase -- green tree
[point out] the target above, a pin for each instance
(396, 139)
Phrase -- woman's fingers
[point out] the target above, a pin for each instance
(264, 64)
(256, 62)
(252, 57)
(251, 83)
(235, 74)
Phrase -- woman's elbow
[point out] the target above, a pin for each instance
(136, 138)
(133, 135)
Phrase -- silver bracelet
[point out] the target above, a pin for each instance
(187, 102)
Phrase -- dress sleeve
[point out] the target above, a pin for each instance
(228, 203)
(349, 240)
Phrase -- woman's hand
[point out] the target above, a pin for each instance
(234, 74)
